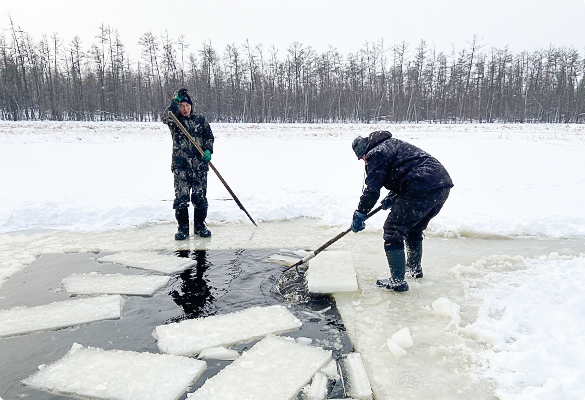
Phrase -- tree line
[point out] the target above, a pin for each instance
(54, 80)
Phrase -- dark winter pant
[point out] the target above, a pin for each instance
(411, 214)
(190, 185)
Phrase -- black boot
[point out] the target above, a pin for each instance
(414, 256)
(397, 268)
(182, 216)
(199, 227)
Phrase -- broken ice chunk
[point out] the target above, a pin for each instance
(395, 348)
(402, 338)
(318, 388)
(332, 272)
(192, 336)
(117, 374)
(359, 384)
(275, 368)
(282, 259)
(94, 283)
(331, 370)
(60, 314)
(150, 261)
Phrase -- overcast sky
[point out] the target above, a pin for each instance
(342, 24)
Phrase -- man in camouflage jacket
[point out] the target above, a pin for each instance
(189, 167)
(418, 187)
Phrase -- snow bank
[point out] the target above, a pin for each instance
(510, 180)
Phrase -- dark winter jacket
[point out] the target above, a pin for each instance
(400, 167)
(185, 155)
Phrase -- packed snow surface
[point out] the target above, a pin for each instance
(534, 322)
(510, 180)
(118, 375)
(60, 314)
(275, 368)
(194, 335)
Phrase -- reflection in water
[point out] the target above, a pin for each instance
(192, 292)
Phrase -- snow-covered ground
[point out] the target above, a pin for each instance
(502, 301)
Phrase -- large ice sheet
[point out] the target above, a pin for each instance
(332, 272)
(276, 368)
(117, 374)
(191, 336)
(61, 314)
(94, 283)
(150, 261)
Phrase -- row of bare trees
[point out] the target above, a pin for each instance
(51, 79)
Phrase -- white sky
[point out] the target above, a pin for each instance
(343, 24)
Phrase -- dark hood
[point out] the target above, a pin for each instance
(376, 138)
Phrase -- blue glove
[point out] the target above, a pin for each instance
(359, 221)
(388, 201)
(206, 156)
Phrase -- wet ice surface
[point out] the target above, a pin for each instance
(444, 362)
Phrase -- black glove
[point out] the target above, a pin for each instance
(174, 107)
(388, 201)
(358, 223)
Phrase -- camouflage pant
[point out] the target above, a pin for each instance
(411, 214)
(190, 185)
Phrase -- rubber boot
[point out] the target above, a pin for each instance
(199, 227)
(182, 216)
(414, 257)
(396, 262)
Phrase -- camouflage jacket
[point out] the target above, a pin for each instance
(400, 167)
(185, 155)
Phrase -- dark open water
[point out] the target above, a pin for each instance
(221, 282)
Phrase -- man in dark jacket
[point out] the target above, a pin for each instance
(189, 167)
(418, 187)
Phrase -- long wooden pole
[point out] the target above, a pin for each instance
(180, 125)
(329, 243)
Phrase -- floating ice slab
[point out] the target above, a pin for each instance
(191, 336)
(61, 314)
(332, 272)
(117, 374)
(276, 368)
(150, 261)
(359, 384)
(219, 353)
(282, 259)
(94, 283)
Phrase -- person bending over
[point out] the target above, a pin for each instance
(418, 187)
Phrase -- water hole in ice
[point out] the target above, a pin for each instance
(222, 281)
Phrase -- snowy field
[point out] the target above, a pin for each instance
(499, 312)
